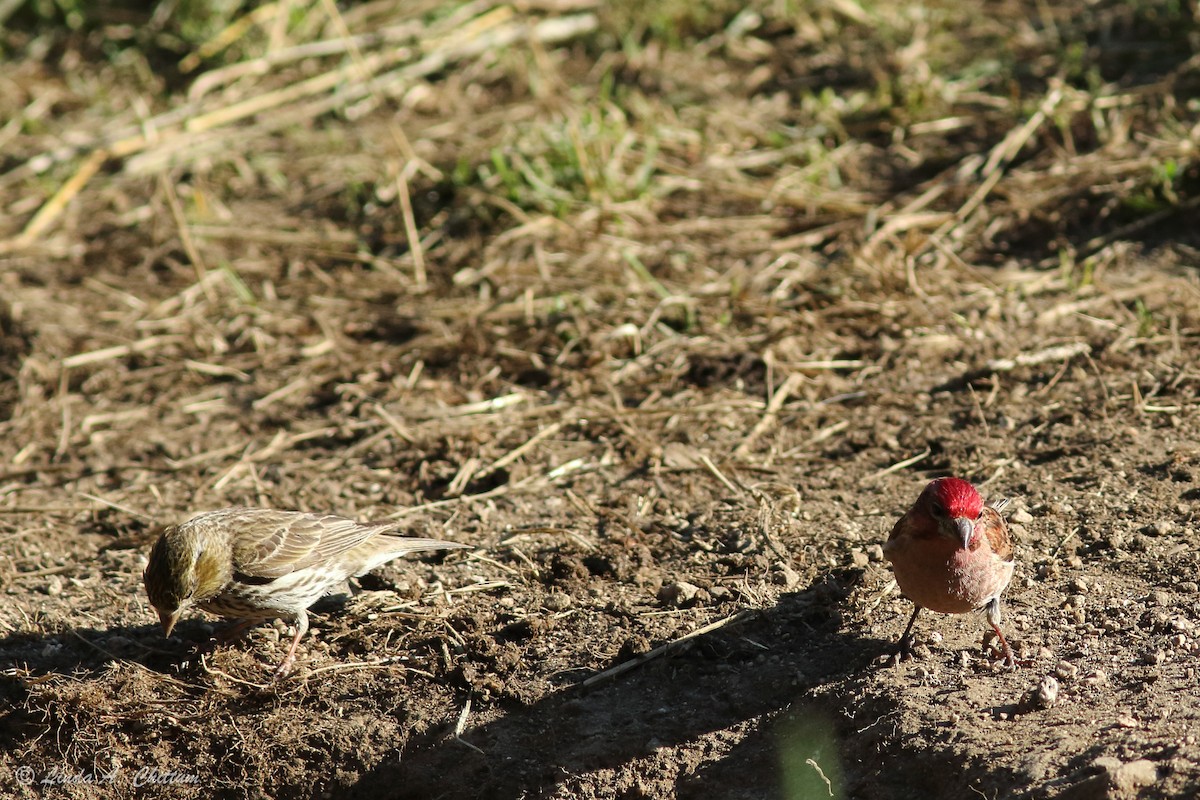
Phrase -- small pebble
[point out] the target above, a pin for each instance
(1046, 693)
(679, 593)
(1022, 517)
(1162, 527)
(119, 643)
(1066, 671)
(557, 602)
(787, 576)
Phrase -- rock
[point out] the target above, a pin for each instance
(1022, 517)
(680, 593)
(1129, 777)
(1045, 694)
(1066, 671)
(786, 576)
(557, 601)
(1109, 779)
(1162, 527)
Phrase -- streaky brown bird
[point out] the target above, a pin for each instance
(951, 553)
(256, 564)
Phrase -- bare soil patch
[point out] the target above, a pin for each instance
(669, 313)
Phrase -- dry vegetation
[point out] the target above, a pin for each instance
(669, 310)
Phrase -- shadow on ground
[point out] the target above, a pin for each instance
(754, 680)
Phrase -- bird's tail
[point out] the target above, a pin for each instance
(394, 546)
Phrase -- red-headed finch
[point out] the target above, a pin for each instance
(255, 564)
(952, 554)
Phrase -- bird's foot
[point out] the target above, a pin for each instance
(1003, 653)
(284, 668)
(904, 650)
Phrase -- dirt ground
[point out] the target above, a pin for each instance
(669, 312)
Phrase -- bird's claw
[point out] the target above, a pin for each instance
(904, 650)
(282, 670)
(1003, 653)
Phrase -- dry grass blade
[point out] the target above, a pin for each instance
(174, 133)
(898, 466)
(770, 417)
(1062, 352)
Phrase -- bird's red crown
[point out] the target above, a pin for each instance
(958, 497)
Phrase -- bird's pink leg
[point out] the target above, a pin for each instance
(285, 666)
(993, 618)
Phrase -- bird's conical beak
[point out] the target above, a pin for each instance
(966, 529)
(168, 619)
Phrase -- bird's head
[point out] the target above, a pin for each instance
(172, 577)
(954, 506)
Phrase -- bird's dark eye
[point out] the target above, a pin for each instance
(936, 508)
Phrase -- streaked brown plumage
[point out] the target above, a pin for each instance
(952, 554)
(255, 564)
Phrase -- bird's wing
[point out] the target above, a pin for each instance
(998, 537)
(915, 524)
(271, 544)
